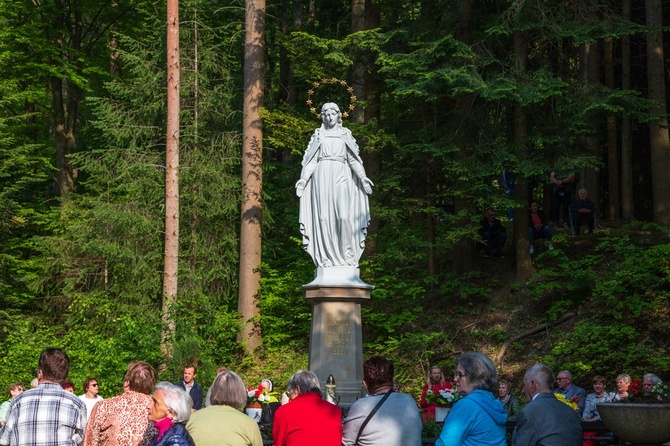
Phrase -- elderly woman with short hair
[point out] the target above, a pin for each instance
(478, 418)
(222, 423)
(307, 419)
(622, 383)
(170, 410)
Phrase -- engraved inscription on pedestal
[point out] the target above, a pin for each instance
(337, 335)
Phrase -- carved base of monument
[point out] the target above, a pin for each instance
(336, 342)
(338, 276)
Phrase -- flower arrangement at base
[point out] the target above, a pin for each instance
(572, 402)
(443, 398)
(257, 396)
(660, 393)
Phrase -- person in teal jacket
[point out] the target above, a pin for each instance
(478, 418)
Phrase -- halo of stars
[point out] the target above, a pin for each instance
(332, 80)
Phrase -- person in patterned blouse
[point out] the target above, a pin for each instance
(123, 420)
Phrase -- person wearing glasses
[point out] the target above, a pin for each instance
(90, 396)
(569, 390)
(478, 418)
(15, 389)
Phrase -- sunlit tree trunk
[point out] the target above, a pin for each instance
(171, 265)
(252, 176)
(658, 130)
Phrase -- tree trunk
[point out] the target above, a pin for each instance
(626, 131)
(590, 177)
(658, 130)
(171, 263)
(252, 176)
(524, 266)
(612, 143)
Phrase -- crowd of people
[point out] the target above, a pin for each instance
(570, 206)
(167, 414)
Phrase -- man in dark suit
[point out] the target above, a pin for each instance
(570, 391)
(192, 388)
(545, 421)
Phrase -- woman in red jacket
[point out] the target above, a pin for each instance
(434, 382)
(307, 420)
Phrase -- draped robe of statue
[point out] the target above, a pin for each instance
(334, 208)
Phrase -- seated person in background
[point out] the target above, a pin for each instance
(538, 227)
(583, 210)
(569, 390)
(591, 410)
(434, 382)
(397, 422)
(622, 383)
(509, 402)
(493, 233)
(649, 381)
(598, 396)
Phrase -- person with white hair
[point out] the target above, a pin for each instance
(170, 411)
(649, 381)
(545, 420)
(307, 418)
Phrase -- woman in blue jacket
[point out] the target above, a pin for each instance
(478, 418)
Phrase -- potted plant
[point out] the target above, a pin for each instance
(641, 418)
(443, 401)
(257, 397)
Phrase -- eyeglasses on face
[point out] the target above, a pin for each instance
(94, 385)
(459, 375)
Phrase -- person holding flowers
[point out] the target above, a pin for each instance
(435, 383)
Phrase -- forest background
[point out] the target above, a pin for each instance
(449, 94)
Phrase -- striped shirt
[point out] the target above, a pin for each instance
(44, 416)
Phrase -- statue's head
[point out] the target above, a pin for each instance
(331, 106)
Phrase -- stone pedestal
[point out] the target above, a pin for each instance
(336, 342)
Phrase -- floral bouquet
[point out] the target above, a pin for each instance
(572, 402)
(261, 395)
(659, 393)
(444, 397)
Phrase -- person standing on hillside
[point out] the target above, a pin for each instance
(563, 182)
(493, 233)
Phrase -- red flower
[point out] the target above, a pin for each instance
(635, 387)
(575, 399)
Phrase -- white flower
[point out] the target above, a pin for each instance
(261, 398)
(251, 393)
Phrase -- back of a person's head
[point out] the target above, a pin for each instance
(377, 372)
(54, 364)
(228, 390)
(141, 377)
(306, 380)
(541, 374)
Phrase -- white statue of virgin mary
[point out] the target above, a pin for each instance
(333, 191)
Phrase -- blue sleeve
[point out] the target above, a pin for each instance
(456, 425)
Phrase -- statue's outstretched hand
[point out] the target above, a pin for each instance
(300, 187)
(367, 185)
